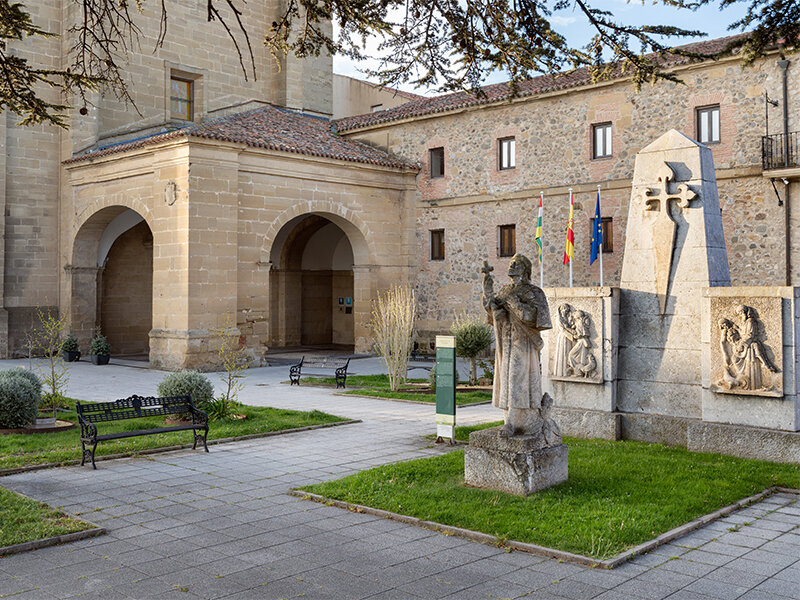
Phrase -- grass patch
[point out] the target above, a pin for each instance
(20, 450)
(619, 494)
(24, 520)
(377, 386)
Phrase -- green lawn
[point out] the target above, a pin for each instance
(619, 494)
(19, 450)
(377, 386)
(23, 520)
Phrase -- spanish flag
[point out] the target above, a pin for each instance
(569, 249)
(538, 237)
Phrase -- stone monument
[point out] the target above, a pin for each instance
(526, 454)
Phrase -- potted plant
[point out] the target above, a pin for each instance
(100, 350)
(70, 350)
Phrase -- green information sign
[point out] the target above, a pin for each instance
(445, 388)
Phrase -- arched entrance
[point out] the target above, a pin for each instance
(312, 285)
(112, 280)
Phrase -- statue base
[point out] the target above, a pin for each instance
(516, 465)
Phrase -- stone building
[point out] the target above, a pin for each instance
(223, 204)
(570, 133)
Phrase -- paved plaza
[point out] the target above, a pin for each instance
(191, 525)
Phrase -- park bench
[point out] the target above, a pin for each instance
(337, 364)
(135, 407)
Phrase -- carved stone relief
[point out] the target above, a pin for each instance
(746, 348)
(573, 355)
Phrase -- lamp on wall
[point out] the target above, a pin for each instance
(774, 187)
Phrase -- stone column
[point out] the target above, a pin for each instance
(364, 290)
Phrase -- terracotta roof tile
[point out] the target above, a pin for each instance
(503, 91)
(271, 128)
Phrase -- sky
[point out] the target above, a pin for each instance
(574, 26)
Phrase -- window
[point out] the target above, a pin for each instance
(437, 244)
(708, 124)
(437, 162)
(506, 154)
(181, 99)
(601, 140)
(508, 240)
(376, 108)
(606, 224)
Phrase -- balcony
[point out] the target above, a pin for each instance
(780, 154)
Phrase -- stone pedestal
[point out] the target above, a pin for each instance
(515, 465)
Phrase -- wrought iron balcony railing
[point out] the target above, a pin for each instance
(780, 151)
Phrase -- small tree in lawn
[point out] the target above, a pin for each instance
(472, 338)
(392, 325)
(47, 338)
(235, 361)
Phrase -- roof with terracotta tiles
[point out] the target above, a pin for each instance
(271, 128)
(504, 91)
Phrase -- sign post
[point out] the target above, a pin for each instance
(445, 388)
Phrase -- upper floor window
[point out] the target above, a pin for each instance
(376, 108)
(601, 140)
(507, 245)
(708, 124)
(181, 99)
(506, 154)
(437, 244)
(437, 162)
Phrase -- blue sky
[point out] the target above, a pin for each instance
(572, 24)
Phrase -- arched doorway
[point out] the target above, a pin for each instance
(312, 285)
(112, 281)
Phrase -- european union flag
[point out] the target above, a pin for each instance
(597, 233)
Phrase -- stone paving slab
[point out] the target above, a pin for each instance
(220, 525)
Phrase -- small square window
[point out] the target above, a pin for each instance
(601, 140)
(506, 154)
(508, 240)
(607, 225)
(437, 162)
(708, 124)
(437, 244)
(181, 99)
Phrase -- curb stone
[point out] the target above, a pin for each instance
(485, 538)
(52, 541)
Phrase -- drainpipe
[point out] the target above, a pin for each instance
(784, 66)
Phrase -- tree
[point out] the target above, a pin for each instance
(473, 336)
(451, 44)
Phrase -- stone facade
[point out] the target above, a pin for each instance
(553, 132)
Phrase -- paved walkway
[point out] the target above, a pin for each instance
(192, 525)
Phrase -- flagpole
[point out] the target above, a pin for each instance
(541, 252)
(600, 249)
(570, 259)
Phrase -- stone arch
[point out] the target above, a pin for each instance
(106, 231)
(304, 291)
(357, 231)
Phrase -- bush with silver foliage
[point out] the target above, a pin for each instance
(191, 383)
(19, 399)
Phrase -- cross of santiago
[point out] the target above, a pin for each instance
(660, 201)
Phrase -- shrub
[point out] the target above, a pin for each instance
(472, 338)
(29, 376)
(432, 379)
(195, 384)
(392, 326)
(18, 401)
(70, 344)
(100, 346)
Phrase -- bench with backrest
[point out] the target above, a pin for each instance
(136, 407)
(337, 364)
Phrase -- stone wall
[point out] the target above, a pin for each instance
(126, 306)
(553, 145)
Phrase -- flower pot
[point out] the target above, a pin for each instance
(100, 359)
(70, 356)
